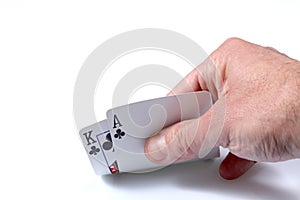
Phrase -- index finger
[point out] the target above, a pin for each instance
(189, 83)
(204, 77)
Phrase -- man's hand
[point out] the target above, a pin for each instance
(256, 114)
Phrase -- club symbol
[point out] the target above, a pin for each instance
(94, 150)
(119, 133)
(108, 144)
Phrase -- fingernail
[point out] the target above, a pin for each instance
(155, 148)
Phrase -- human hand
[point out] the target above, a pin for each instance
(256, 114)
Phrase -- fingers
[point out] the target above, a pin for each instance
(208, 76)
(203, 77)
(233, 167)
(211, 73)
(189, 84)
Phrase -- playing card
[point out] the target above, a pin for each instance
(98, 143)
(117, 144)
(131, 124)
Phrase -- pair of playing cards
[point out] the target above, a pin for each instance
(116, 144)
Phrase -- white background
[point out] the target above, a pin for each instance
(42, 47)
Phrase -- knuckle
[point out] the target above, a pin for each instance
(229, 47)
(233, 41)
(272, 49)
(172, 134)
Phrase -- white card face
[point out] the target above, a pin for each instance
(131, 124)
(98, 144)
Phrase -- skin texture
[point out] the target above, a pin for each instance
(256, 115)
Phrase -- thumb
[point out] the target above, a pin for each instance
(189, 139)
(183, 140)
(233, 167)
